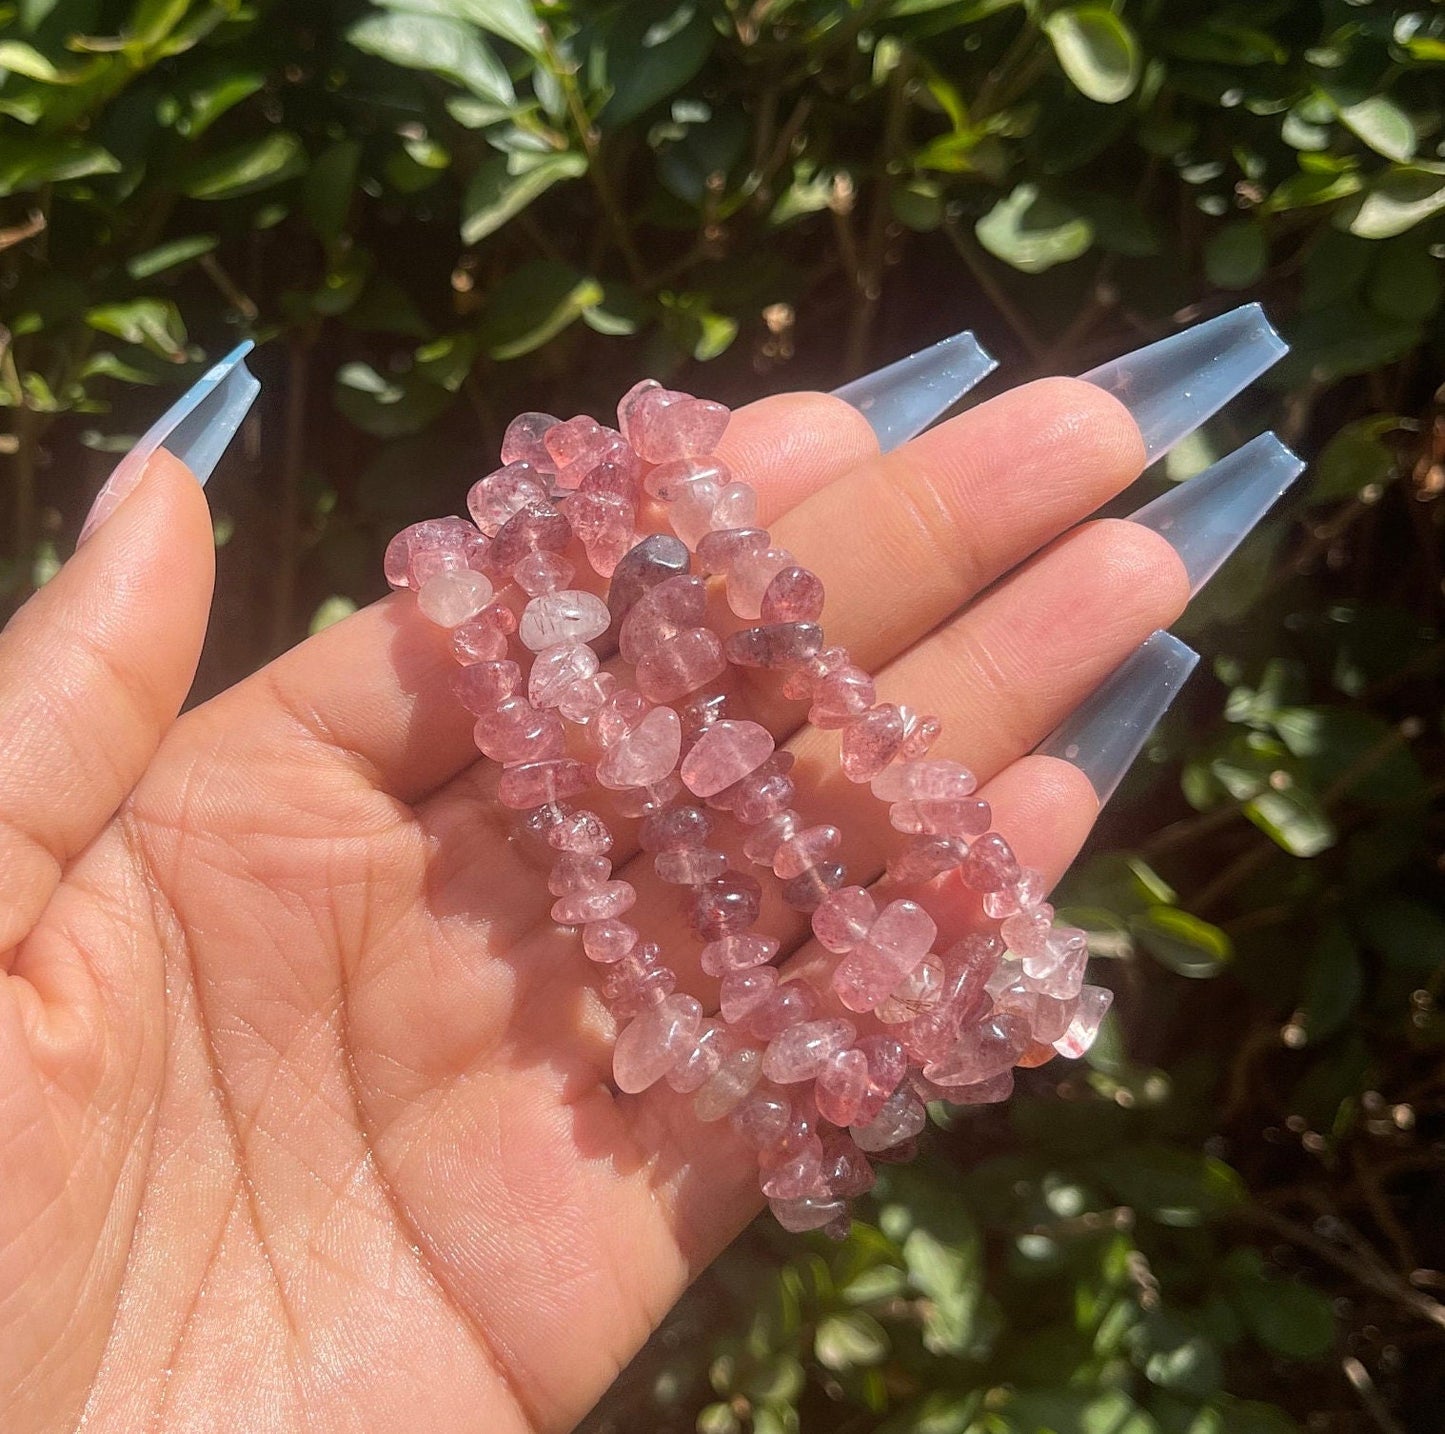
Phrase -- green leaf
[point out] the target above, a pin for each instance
(846, 1341)
(246, 168)
(1235, 257)
(1034, 232)
(1289, 1318)
(331, 611)
(1293, 819)
(1334, 981)
(1171, 1186)
(22, 59)
(505, 185)
(1382, 125)
(213, 92)
(330, 185)
(718, 1419)
(170, 256)
(384, 407)
(442, 47)
(1176, 1354)
(1185, 944)
(154, 324)
(1398, 201)
(651, 53)
(1097, 51)
(514, 20)
(533, 305)
(1353, 459)
(947, 1271)
(27, 162)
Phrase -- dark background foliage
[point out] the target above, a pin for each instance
(434, 213)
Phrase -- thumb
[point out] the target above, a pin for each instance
(94, 668)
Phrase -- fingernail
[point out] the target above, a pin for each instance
(1205, 518)
(900, 401)
(1172, 386)
(1107, 731)
(197, 429)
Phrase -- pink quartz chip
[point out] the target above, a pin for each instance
(646, 754)
(799, 1052)
(725, 754)
(654, 1042)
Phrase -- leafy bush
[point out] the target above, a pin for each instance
(435, 212)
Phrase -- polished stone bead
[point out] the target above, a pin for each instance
(809, 1212)
(703, 1061)
(627, 404)
(983, 1051)
(556, 670)
(543, 572)
(926, 857)
(638, 982)
(619, 714)
(738, 953)
(725, 754)
(736, 507)
(525, 441)
(514, 731)
(607, 940)
(990, 864)
(920, 732)
(691, 867)
(841, 1085)
(919, 991)
(669, 481)
(480, 686)
(1093, 1005)
(742, 992)
(795, 855)
(846, 1170)
(495, 498)
(673, 606)
(780, 645)
(576, 446)
(583, 832)
(432, 547)
(794, 1169)
(798, 1053)
(654, 1042)
(844, 918)
(478, 640)
(675, 829)
(612, 898)
(740, 1071)
(1026, 933)
(763, 841)
(841, 697)
(530, 784)
(642, 568)
(967, 818)
(450, 599)
(690, 513)
(794, 595)
(762, 1118)
(701, 712)
(787, 1004)
(1065, 979)
(901, 1117)
(719, 552)
(871, 741)
(1029, 890)
(563, 617)
(664, 426)
(897, 941)
(681, 664)
(577, 873)
(749, 576)
(725, 907)
(605, 523)
(764, 793)
(647, 754)
(805, 892)
(537, 527)
(931, 780)
(1058, 944)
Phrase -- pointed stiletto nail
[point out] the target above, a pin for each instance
(197, 429)
(1173, 386)
(901, 400)
(1205, 518)
(1107, 731)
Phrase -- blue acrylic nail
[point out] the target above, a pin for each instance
(901, 400)
(1207, 517)
(1107, 731)
(1173, 386)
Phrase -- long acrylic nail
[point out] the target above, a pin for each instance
(1107, 731)
(1173, 386)
(1207, 517)
(197, 429)
(901, 400)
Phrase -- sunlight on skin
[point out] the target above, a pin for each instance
(304, 1103)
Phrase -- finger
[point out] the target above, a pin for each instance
(93, 670)
(1001, 676)
(903, 542)
(1045, 808)
(395, 717)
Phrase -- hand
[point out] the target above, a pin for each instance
(305, 1114)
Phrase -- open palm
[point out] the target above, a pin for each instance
(305, 1113)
